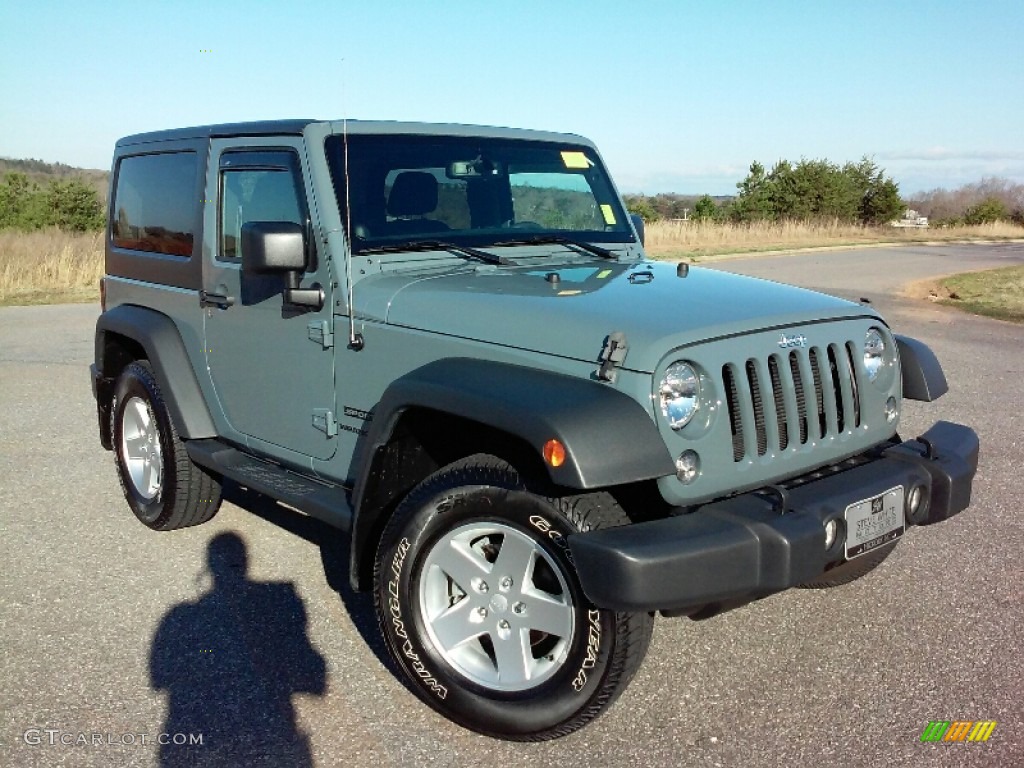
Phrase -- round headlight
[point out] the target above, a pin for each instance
(874, 349)
(679, 394)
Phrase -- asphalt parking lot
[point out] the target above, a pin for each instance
(287, 667)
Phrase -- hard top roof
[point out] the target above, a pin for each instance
(296, 127)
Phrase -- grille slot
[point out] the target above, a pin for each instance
(734, 412)
(818, 393)
(851, 353)
(755, 396)
(791, 399)
(780, 401)
(801, 398)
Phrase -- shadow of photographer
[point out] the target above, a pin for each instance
(334, 556)
(231, 662)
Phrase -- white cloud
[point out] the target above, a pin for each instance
(949, 155)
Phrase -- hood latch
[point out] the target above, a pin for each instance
(612, 356)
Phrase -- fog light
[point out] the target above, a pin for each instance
(890, 410)
(917, 504)
(831, 529)
(914, 500)
(687, 467)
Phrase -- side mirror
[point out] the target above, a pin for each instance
(279, 247)
(269, 247)
(638, 225)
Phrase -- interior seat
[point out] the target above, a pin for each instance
(413, 195)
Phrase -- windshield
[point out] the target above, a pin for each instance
(472, 191)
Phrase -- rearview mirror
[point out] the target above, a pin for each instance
(481, 167)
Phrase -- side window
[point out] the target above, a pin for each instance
(155, 203)
(258, 186)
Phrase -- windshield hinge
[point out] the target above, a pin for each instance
(320, 332)
(612, 356)
(324, 421)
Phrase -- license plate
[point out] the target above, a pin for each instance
(873, 522)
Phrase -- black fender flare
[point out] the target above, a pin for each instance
(609, 438)
(157, 334)
(923, 378)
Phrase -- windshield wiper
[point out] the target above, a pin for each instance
(437, 245)
(578, 245)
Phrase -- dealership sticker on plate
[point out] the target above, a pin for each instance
(873, 522)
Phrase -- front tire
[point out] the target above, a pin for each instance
(161, 484)
(852, 570)
(482, 610)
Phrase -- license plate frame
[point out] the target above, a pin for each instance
(874, 522)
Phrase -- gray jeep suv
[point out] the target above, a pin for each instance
(447, 342)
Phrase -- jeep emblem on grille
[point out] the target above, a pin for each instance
(788, 342)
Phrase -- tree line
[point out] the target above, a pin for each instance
(988, 200)
(68, 203)
(852, 193)
(806, 190)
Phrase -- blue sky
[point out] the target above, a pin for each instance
(680, 96)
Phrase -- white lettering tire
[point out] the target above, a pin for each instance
(481, 608)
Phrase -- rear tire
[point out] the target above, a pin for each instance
(481, 607)
(162, 485)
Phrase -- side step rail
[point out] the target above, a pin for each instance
(318, 499)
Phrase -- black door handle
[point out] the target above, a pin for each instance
(219, 300)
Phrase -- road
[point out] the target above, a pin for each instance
(843, 677)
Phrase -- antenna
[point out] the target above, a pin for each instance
(355, 340)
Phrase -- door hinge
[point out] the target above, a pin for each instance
(320, 332)
(324, 421)
(612, 356)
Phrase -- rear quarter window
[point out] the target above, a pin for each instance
(154, 203)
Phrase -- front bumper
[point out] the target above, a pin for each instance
(730, 552)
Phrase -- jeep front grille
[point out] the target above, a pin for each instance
(791, 399)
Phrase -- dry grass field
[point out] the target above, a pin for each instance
(694, 239)
(52, 267)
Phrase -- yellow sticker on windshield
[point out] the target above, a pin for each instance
(575, 160)
(609, 214)
(603, 274)
(569, 293)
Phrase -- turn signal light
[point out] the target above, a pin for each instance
(554, 453)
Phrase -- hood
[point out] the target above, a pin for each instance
(570, 316)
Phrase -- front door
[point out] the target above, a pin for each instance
(271, 363)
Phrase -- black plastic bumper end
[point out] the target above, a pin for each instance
(949, 453)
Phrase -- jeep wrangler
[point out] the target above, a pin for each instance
(447, 342)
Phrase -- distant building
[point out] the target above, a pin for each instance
(911, 219)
